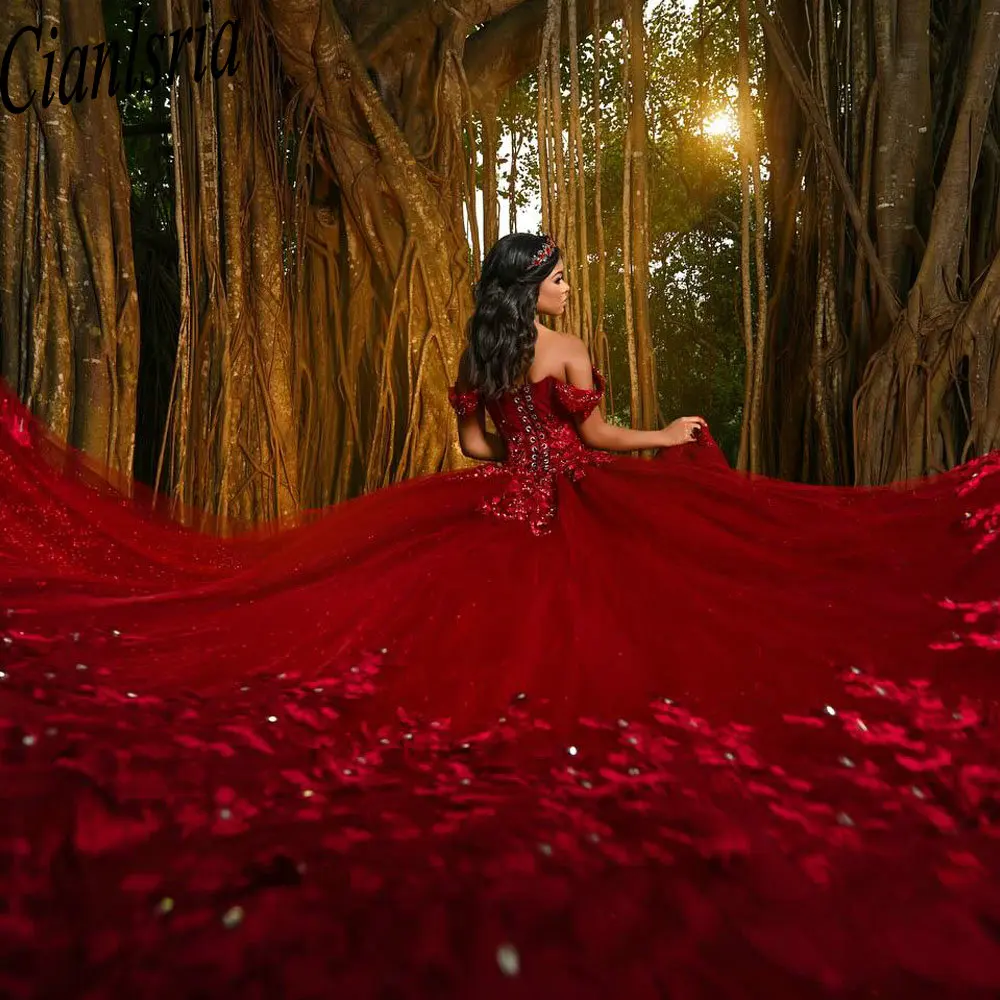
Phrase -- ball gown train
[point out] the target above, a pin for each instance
(574, 724)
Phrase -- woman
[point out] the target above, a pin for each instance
(537, 384)
(568, 723)
(507, 343)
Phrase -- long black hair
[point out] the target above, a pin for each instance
(501, 331)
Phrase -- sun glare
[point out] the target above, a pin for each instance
(721, 124)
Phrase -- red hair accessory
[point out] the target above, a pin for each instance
(547, 248)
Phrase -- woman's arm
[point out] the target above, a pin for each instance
(473, 438)
(606, 437)
(476, 441)
(596, 432)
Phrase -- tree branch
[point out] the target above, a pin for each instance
(401, 17)
(497, 56)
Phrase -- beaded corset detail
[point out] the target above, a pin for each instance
(536, 421)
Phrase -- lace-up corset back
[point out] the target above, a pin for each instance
(537, 424)
(536, 420)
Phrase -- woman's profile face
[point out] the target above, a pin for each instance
(553, 292)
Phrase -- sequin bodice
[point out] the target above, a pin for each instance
(537, 422)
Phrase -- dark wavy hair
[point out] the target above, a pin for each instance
(501, 331)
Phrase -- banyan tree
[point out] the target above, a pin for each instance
(877, 328)
(325, 161)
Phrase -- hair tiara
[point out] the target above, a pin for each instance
(547, 247)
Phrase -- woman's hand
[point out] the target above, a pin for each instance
(683, 430)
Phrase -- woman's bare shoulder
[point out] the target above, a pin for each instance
(576, 363)
(568, 355)
(572, 349)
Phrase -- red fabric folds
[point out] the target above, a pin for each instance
(571, 725)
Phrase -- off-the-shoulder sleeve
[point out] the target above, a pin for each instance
(463, 403)
(581, 401)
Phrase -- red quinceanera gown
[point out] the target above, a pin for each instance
(575, 725)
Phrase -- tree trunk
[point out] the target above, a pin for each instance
(902, 157)
(883, 136)
(751, 452)
(648, 415)
(69, 317)
(410, 313)
(233, 433)
(905, 423)
(602, 349)
(491, 188)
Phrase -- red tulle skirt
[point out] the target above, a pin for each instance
(714, 735)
